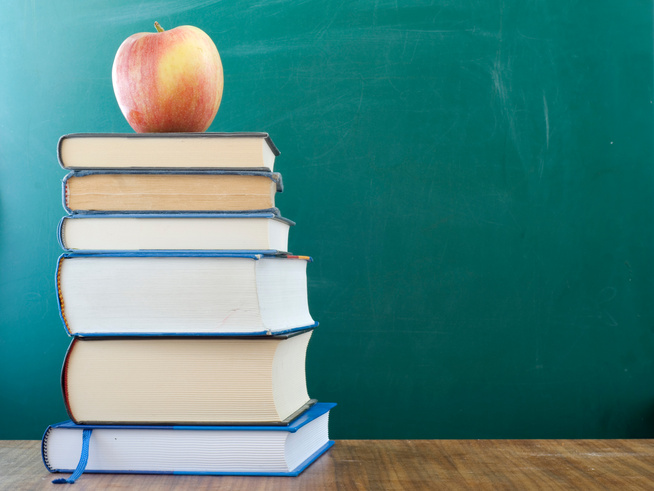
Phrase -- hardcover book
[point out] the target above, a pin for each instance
(247, 450)
(188, 381)
(167, 151)
(170, 191)
(166, 232)
(116, 294)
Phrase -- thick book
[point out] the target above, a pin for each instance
(166, 232)
(118, 294)
(232, 450)
(188, 381)
(169, 191)
(254, 151)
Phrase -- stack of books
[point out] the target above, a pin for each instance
(189, 317)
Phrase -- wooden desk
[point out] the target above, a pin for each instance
(394, 464)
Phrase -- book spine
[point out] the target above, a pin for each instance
(60, 234)
(44, 449)
(64, 192)
(60, 297)
(64, 380)
(59, 159)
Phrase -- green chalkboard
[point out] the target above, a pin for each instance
(474, 180)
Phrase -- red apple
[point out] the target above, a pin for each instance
(168, 81)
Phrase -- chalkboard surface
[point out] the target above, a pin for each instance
(474, 181)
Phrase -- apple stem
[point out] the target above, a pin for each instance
(158, 27)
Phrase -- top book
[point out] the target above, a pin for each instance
(252, 151)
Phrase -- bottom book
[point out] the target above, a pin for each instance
(231, 450)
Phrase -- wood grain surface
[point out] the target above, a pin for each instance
(394, 465)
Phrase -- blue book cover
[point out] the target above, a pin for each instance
(93, 302)
(200, 450)
(151, 380)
